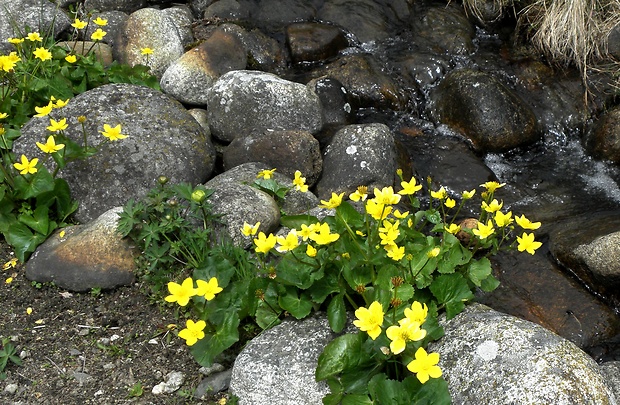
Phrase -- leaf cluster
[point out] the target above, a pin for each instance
(8, 355)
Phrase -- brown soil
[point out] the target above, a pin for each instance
(98, 347)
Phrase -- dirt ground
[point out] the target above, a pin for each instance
(99, 347)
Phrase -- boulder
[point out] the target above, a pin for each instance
(444, 29)
(244, 101)
(311, 42)
(82, 257)
(128, 6)
(603, 141)
(162, 139)
(491, 358)
(484, 110)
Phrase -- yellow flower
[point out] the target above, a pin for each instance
(401, 334)
(502, 219)
(249, 230)
(453, 228)
(181, 293)
(8, 62)
(484, 231)
(300, 182)
(425, 365)
(265, 174)
(193, 332)
(491, 186)
(290, 242)
(50, 146)
(409, 187)
(416, 313)
(360, 233)
(43, 111)
(15, 41)
(42, 53)
(27, 166)
(71, 58)
(400, 215)
(360, 194)
(10, 264)
(9, 280)
(264, 243)
(58, 103)
(112, 133)
(386, 196)
(100, 21)
(28, 311)
(376, 210)
(333, 202)
(34, 36)
(439, 194)
(493, 206)
(449, 203)
(389, 232)
(311, 251)
(3, 116)
(434, 252)
(468, 194)
(370, 319)
(98, 35)
(525, 223)
(527, 243)
(395, 252)
(56, 126)
(207, 289)
(78, 24)
(308, 230)
(323, 235)
(146, 51)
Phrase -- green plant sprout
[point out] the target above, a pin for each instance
(8, 354)
(397, 270)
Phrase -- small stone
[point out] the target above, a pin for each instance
(173, 382)
(215, 368)
(11, 388)
(23, 354)
(108, 366)
(114, 338)
(104, 341)
(81, 378)
(153, 342)
(84, 332)
(74, 352)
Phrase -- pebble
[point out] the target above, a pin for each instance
(173, 382)
(11, 388)
(215, 368)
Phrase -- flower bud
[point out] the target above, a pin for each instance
(198, 196)
(81, 119)
(162, 180)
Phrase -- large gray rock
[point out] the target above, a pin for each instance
(188, 78)
(495, 359)
(87, 256)
(358, 155)
(41, 16)
(277, 367)
(611, 370)
(244, 101)
(484, 110)
(149, 28)
(162, 139)
(127, 6)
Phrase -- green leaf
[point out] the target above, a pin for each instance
(38, 221)
(347, 213)
(342, 353)
(298, 305)
(23, 240)
(356, 275)
(453, 291)
(489, 284)
(296, 221)
(205, 350)
(40, 182)
(479, 270)
(337, 313)
(292, 271)
(356, 399)
(215, 266)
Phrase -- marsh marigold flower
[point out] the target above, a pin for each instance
(360, 194)
(376, 210)
(57, 103)
(491, 186)
(112, 134)
(439, 194)
(100, 21)
(290, 242)
(71, 58)
(484, 231)
(527, 243)
(264, 243)
(34, 37)
(98, 35)
(43, 111)
(333, 202)
(42, 53)
(452, 228)
(3, 116)
(50, 146)
(468, 194)
(56, 126)
(395, 252)
(370, 319)
(300, 182)
(26, 166)
(311, 251)
(193, 332)
(416, 313)
(181, 293)
(386, 196)
(449, 203)
(250, 230)
(146, 51)
(308, 230)
(493, 206)
(525, 223)
(425, 365)
(15, 41)
(434, 252)
(323, 235)
(502, 219)
(265, 174)
(403, 333)
(78, 24)
(208, 289)
(409, 187)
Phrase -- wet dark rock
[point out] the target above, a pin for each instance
(358, 155)
(422, 69)
(603, 141)
(485, 111)
(188, 78)
(264, 53)
(227, 10)
(276, 14)
(213, 384)
(162, 139)
(245, 101)
(444, 29)
(535, 289)
(87, 256)
(589, 246)
(149, 28)
(492, 358)
(127, 6)
(287, 151)
(363, 78)
(368, 20)
(613, 42)
(335, 101)
(310, 42)
(487, 13)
